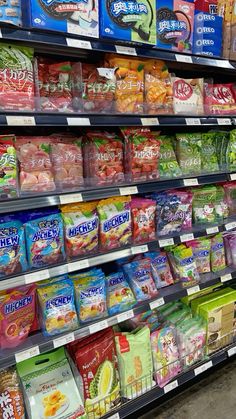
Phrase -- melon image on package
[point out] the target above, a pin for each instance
(129, 20)
(73, 16)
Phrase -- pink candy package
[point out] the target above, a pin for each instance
(143, 219)
(230, 195)
(220, 99)
(230, 248)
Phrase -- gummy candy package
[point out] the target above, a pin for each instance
(191, 335)
(186, 265)
(119, 295)
(57, 307)
(201, 251)
(221, 206)
(8, 167)
(231, 151)
(160, 269)
(143, 219)
(218, 262)
(230, 196)
(208, 152)
(114, 222)
(80, 228)
(91, 298)
(44, 238)
(12, 246)
(188, 151)
(17, 315)
(158, 89)
(204, 201)
(140, 279)
(168, 165)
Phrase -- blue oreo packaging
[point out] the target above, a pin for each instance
(78, 17)
(10, 12)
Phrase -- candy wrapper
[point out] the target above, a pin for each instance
(231, 151)
(191, 335)
(201, 251)
(189, 155)
(209, 159)
(142, 150)
(160, 269)
(204, 205)
(158, 89)
(218, 262)
(140, 279)
(188, 96)
(11, 395)
(187, 266)
(143, 219)
(168, 165)
(8, 167)
(230, 196)
(219, 99)
(119, 295)
(114, 222)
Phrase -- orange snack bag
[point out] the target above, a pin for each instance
(12, 405)
(158, 89)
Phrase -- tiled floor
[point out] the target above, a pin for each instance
(212, 398)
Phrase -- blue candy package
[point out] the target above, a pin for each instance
(140, 279)
(91, 298)
(12, 246)
(57, 308)
(160, 269)
(119, 294)
(44, 238)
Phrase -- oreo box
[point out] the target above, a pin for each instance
(78, 17)
(133, 20)
(175, 25)
(208, 6)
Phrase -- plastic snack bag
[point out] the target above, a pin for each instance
(230, 196)
(140, 279)
(119, 295)
(17, 315)
(49, 387)
(11, 13)
(158, 89)
(12, 246)
(204, 204)
(80, 228)
(188, 151)
(219, 99)
(201, 251)
(168, 165)
(10, 395)
(186, 265)
(44, 238)
(218, 262)
(8, 167)
(188, 96)
(115, 222)
(191, 335)
(208, 152)
(160, 269)
(231, 151)
(143, 219)
(57, 307)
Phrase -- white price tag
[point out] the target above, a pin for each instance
(125, 50)
(171, 386)
(193, 290)
(233, 176)
(64, 340)
(191, 182)
(98, 326)
(0, 33)
(125, 316)
(115, 416)
(157, 303)
(203, 368)
(193, 121)
(78, 121)
(78, 265)
(232, 351)
(230, 226)
(183, 58)
(225, 278)
(166, 242)
(36, 276)
(212, 230)
(71, 198)
(149, 121)
(78, 43)
(129, 190)
(139, 249)
(224, 121)
(28, 353)
(20, 120)
(186, 237)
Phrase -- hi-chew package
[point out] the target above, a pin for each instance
(140, 278)
(91, 297)
(160, 267)
(119, 294)
(8, 167)
(186, 265)
(143, 219)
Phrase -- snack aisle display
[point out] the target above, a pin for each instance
(117, 202)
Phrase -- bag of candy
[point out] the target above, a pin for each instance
(140, 279)
(119, 295)
(231, 151)
(57, 307)
(204, 202)
(219, 99)
(186, 265)
(201, 251)
(188, 96)
(191, 337)
(143, 213)
(218, 262)
(114, 222)
(12, 402)
(8, 167)
(160, 269)
(230, 196)
(168, 165)
(80, 228)
(188, 151)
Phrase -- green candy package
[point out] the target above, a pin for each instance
(208, 153)
(168, 165)
(231, 151)
(222, 141)
(218, 262)
(204, 200)
(187, 267)
(188, 151)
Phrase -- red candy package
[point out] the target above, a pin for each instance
(142, 151)
(220, 99)
(143, 216)
(36, 174)
(103, 158)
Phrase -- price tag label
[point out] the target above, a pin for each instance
(186, 237)
(226, 278)
(20, 120)
(139, 249)
(125, 316)
(0, 33)
(203, 368)
(78, 265)
(230, 226)
(183, 58)
(78, 43)
(37, 276)
(232, 351)
(78, 122)
(171, 386)
(93, 328)
(157, 303)
(166, 242)
(125, 50)
(150, 121)
(63, 340)
(71, 198)
(212, 230)
(129, 190)
(29, 353)
(193, 290)
(224, 121)
(115, 416)
(232, 176)
(193, 121)
(191, 182)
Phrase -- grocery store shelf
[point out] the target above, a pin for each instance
(40, 344)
